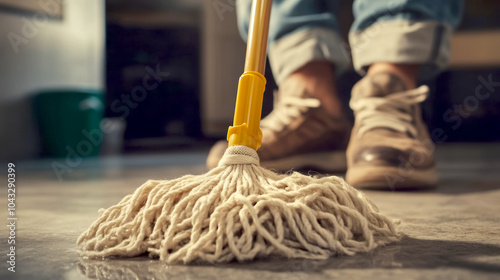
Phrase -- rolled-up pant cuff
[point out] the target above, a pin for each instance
(293, 51)
(426, 43)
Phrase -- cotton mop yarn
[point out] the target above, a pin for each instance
(239, 211)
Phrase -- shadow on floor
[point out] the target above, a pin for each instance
(410, 253)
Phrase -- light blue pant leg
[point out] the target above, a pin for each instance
(398, 31)
(300, 31)
(404, 31)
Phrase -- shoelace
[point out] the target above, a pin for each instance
(393, 111)
(286, 109)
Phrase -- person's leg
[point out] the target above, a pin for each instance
(393, 43)
(303, 43)
(404, 32)
(307, 119)
(300, 31)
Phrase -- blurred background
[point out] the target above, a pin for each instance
(96, 78)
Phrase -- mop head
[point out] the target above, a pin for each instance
(239, 211)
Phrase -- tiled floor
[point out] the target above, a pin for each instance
(451, 233)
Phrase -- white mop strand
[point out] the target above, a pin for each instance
(240, 211)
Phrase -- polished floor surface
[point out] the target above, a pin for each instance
(452, 232)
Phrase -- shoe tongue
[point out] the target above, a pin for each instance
(378, 85)
(290, 88)
(294, 88)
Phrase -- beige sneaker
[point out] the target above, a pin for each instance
(298, 133)
(390, 147)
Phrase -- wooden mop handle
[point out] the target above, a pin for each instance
(246, 124)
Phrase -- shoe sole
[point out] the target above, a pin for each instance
(324, 161)
(392, 178)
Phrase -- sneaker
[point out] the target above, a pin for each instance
(299, 133)
(390, 147)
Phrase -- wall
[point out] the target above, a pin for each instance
(223, 59)
(38, 53)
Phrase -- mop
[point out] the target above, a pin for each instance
(239, 210)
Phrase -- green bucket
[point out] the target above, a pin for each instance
(69, 122)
